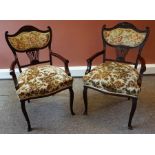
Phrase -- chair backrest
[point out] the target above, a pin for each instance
(123, 37)
(30, 40)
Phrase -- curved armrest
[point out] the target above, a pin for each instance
(142, 69)
(13, 74)
(89, 60)
(64, 60)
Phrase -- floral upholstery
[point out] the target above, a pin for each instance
(115, 78)
(29, 40)
(122, 36)
(42, 80)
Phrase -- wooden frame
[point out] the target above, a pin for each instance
(35, 61)
(102, 53)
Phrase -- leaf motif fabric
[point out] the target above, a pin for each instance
(122, 36)
(115, 78)
(29, 40)
(38, 81)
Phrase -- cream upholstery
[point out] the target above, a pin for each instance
(42, 80)
(115, 78)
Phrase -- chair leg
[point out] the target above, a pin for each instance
(71, 100)
(26, 115)
(85, 100)
(133, 109)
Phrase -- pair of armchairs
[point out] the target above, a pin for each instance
(114, 76)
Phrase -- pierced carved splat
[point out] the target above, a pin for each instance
(33, 56)
(121, 53)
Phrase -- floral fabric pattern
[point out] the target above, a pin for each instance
(29, 40)
(42, 80)
(115, 78)
(122, 36)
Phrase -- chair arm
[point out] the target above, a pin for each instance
(89, 60)
(13, 74)
(142, 69)
(64, 60)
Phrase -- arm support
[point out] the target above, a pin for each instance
(65, 61)
(13, 74)
(142, 69)
(89, 60)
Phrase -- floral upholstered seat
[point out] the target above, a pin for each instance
(42, 80)
(118, 75)
(115, 78)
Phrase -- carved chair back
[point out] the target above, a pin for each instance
(30, 40)
(124, 37)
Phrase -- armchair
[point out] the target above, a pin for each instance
(118, 76)
(40, 78)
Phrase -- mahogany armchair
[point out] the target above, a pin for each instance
(40, 78)
(118, 76)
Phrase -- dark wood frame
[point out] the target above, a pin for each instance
(102, 53)
(35, 61)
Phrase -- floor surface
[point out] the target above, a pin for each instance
(106, 114)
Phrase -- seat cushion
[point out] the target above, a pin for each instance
(42, 80)
(115, 78)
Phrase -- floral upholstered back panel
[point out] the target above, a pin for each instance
(29, 40)
(124, 36)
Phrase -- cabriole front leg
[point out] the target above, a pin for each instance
(26, 115)
(85, 100)
(133, 109)
(71, 100)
